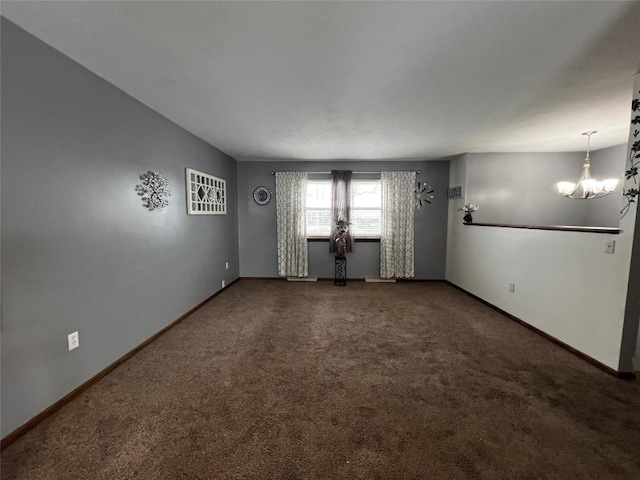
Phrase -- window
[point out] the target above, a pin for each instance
(366, 208)
(318, 208)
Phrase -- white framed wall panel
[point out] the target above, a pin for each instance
(206, 194)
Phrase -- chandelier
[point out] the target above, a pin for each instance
(587, 187)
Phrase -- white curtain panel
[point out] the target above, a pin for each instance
(396, 238)
(291, 208)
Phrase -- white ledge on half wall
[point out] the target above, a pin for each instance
(563, 228)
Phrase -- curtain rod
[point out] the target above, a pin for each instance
(328, 173)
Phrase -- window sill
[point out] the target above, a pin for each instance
(357, 240)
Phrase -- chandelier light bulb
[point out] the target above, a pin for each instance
(610, 184)
(589, 185)
(566, 187)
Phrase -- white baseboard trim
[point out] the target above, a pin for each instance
(379, 280)
(302, 279)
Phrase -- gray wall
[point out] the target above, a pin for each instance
(520, 188)
(257, 224)
(79, 252)
(607, 163)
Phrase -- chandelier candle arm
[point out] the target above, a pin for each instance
(591, 188)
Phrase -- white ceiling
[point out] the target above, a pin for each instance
(362, 80)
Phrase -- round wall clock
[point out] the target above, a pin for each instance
(262, 195)
(423, 194)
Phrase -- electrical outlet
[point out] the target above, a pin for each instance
(73, 339)
(610, 246)
(223, 283)
(512, 287)
(226, 265)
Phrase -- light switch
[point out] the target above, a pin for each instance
(610, 246)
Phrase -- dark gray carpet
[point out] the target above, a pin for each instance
(306, 380)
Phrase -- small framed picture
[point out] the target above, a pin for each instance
(456, 192)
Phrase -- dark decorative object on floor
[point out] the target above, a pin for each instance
(340, 241)
(341, 271)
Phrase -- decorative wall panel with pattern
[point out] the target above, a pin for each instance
(206, 194)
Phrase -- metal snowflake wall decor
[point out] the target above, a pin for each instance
(630, 191)
(424, 194)
(154, 191)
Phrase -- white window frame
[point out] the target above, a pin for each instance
(354, 209)
(326, 234)
(319, 209)
(214, 200)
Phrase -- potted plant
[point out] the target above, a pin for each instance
(340, 237)
(468, 209)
